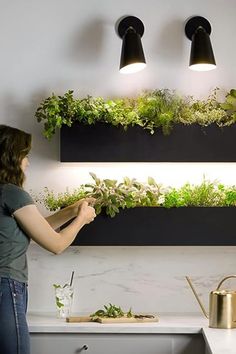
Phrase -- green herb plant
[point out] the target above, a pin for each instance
(204, 112)
(111, 311)
(230, 106)
(112, 196)
(152, 110)
(207, 194)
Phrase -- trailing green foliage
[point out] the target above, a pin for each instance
(112, 196)
(152, 110)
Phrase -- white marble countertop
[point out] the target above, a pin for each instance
(218, 341)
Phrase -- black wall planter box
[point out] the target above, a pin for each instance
(106, 143)
(149, 226)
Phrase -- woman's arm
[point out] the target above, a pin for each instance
(37, 228)
(63, 215)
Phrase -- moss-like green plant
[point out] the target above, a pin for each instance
(112, 196)
(152, 110)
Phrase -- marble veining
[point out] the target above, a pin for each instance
(150, 279)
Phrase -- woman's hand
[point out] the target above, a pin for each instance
(86, 212)
(75, 207)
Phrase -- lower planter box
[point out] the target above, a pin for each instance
(106, 143)
(149, 226)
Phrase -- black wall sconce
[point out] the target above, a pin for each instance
(130, 29)
(198, 30)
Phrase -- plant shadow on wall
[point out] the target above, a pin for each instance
(170, 40)
(87, 47)
(19, 114)
(191, 215)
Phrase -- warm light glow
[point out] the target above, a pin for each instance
(132, 68)
(202, 67)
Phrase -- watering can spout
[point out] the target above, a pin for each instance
(197, 297)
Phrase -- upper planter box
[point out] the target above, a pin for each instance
(106, 143)
(150, 226)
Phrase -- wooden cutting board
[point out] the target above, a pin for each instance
(124, 319)
(79, 319)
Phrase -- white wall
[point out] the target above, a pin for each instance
(55, 45)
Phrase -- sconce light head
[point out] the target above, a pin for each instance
(130, 29)
(198, 30)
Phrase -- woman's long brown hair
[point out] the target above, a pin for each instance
(15, 144)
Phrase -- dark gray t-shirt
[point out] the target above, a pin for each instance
(13, 241)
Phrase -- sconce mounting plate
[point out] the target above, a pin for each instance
(130, 21)
(193, 23)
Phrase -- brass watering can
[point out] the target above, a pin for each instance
(222, 306)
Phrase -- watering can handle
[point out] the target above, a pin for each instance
(221, 282)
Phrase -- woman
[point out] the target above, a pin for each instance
(21, 221)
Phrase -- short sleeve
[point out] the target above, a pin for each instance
(15, 198)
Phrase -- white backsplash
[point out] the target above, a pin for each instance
(148, 279)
